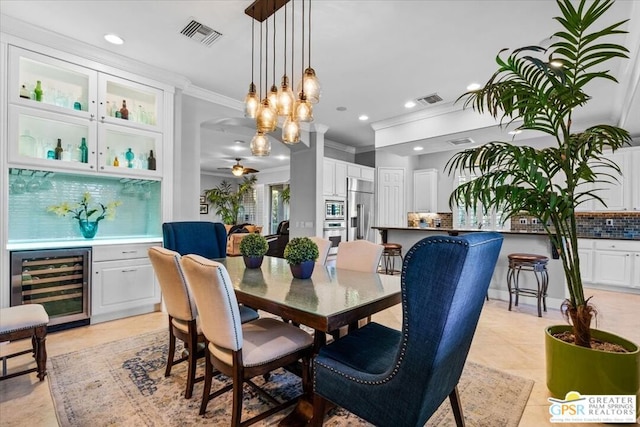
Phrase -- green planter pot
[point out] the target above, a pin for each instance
(588, 371)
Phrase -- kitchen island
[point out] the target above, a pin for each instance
(514, 242)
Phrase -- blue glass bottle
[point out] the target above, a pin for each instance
(129, 156)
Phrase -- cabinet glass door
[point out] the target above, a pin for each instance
(34, 135)
(127, 151)
(143, 103)
(64, 87)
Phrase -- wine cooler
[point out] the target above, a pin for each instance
(58, 279)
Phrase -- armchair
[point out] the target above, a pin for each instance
(278, 241)
(208, 239)
(399, 378)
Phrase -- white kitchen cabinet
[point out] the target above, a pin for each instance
(334, 182)
(634, 179)
(75, 104)
(425, 190)
(361, 172)
(616, 262)
(585, 252)
(616, 195)
(123, 282)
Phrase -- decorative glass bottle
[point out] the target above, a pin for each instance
(151, 161)
(59, 150)
(38, 91)
(84, 151)
(124, 113)
(129, 156)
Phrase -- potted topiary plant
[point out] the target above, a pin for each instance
(301, 254)
(550, 183)
(253, 246)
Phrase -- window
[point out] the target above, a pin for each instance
(480, 217)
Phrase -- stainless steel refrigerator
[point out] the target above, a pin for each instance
(359, 210)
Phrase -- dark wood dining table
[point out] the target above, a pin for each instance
(330, 299)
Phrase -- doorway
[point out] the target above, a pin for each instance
(279, 209)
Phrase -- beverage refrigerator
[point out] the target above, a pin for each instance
(56, 278)
(360, 209)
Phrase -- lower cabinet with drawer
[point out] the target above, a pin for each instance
(124, 282)
(617, 263)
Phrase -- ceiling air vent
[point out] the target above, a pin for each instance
(461, 141)
(429, 99)
(200, 33)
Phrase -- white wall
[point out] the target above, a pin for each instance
(445, 181)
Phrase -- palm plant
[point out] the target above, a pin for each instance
(227, 201)
(548, 183)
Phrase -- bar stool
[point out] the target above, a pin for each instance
(528, 262)
(389, 254)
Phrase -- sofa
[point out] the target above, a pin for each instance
(235, 235)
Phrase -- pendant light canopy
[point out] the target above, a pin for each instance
(281, 102)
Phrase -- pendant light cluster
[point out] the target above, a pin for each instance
(280, 103)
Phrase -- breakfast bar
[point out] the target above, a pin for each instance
(514, 242)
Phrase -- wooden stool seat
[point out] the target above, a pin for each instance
(25, 321)
(528, 262)
(389, 254)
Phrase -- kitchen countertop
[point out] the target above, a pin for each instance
(452, 231)
(59, 244)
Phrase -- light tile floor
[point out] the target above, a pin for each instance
(509, 341)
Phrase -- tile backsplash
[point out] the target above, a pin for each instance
(138, 215)
(611, 225)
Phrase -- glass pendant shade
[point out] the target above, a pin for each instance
(304, 109)
(291, 130)
(286, 100)
(312, 86)
(273, 99)
(260, 145)
(267, 118)
(251, 102)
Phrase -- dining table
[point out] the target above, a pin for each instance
(329, 300)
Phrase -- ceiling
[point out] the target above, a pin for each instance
(370, 56)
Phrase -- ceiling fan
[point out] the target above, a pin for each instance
(239, 170)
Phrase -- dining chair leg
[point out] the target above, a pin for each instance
(319, 405)
(454, 398)
(192, 359)
(238, 383)
(172, 349)
(206, 388)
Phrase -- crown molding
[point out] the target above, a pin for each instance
(339, 146)
(216, 98)
(24, 34)
(417, 115)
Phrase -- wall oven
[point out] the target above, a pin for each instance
(336, 232)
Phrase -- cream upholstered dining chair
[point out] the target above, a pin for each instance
(359, 255)
(323, 248)
(240, 351)
(183, 316)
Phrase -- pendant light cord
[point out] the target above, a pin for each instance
(253, 37)
(284, 72)
(302, 62)
(309, 63)
(274, 43)
(260, 83)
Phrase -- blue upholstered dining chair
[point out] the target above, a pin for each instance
(207, 239)
(399, 378)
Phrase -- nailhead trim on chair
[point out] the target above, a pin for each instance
(183, 279)
(405, 336)
(226, 289)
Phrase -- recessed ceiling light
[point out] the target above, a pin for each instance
(363, 117)
(555, 63)
(409, 104)
(515, 132)
(281, 157)
(114, 39)
(237, 148)
(341, 108)
(418, 148)
(239, 141)
(473, 86)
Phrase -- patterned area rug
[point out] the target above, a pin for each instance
(122, 383)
